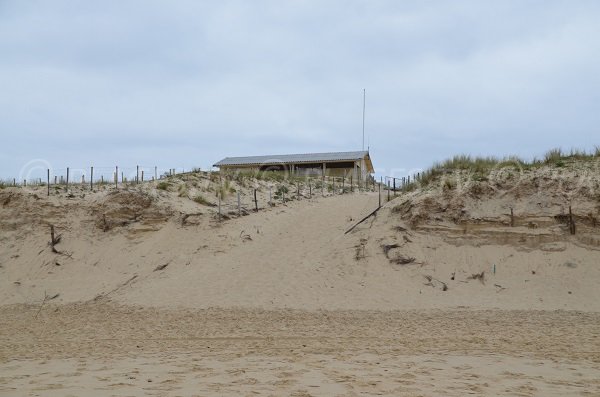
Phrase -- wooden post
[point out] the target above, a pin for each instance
(283, 196)
(255, 201)
(15, 182)
(122, 177)
(297, 191)
(239, 204)
(270, 196)
(91, 178)
(571, 222)
(155, 173)
(219, 200)
(343, 184)
(394, 187)
(351, 184)
(333, 188)
(309, 189)
(142, 175)
(380, 182)
(67, 178)
(137, 174)
(48, 181)
(117, 177)
(388, 189)
(102, 179)
(323, 187)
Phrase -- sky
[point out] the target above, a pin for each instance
(182, 84)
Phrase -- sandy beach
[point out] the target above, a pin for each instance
(285, 302)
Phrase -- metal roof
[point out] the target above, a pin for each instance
(293, 158)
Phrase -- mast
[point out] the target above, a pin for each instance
(363, 129)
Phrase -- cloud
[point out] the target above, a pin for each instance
(186, 83)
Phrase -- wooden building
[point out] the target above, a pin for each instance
(356, 164)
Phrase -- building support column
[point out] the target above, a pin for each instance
(363, 169)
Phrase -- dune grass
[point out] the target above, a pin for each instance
(201, 200)
(162, 186)
(481, 167)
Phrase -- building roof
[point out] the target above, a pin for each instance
(293, 158)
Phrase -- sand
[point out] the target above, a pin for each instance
(105, 349)
(149, 294)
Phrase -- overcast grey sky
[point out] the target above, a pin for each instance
(185, 83)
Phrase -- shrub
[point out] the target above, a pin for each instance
(162, 186)
(281, 190)
(201, 200)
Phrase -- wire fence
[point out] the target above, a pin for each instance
(92, 175)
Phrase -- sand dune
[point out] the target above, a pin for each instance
(442, 292)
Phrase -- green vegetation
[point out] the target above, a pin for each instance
(162, 186)
(480, 168)
(281, 191)
(201, 200)
(182, 191)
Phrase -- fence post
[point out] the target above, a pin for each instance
(67, 178)
(351, 184)
(137, 174)
(142, 175)
(155, 173)
(117, 177)
(297, 190)
(270, 196)
(255, 201)
(239, 204)
(219, 200)
(343, 184)
(388, 189)
(48, 181)
(309, 189)
(91, 178)
(14, 182)
(380, 182)
(394, 187)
